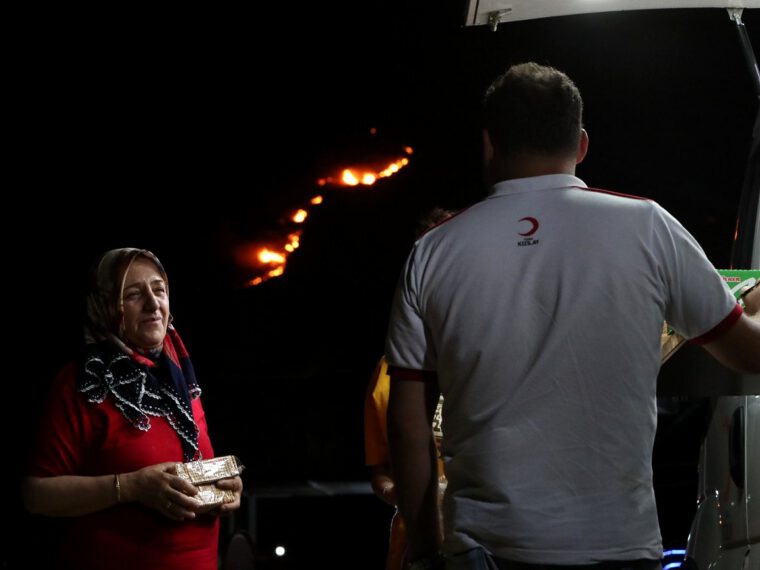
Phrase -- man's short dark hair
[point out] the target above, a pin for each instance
(533, 109)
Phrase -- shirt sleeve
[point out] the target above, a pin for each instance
(375, 417)
(698, 301)
(63, 431)
(409, 344)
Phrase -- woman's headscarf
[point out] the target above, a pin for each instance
(141, 386)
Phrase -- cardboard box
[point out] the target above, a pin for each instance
(737, 280)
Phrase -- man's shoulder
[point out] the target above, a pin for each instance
(616, 204)
(615, 194)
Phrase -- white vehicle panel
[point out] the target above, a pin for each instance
(479, 11)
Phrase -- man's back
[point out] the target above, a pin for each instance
(537, 313)
(542, 308)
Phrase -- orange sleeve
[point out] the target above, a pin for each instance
(375, 414)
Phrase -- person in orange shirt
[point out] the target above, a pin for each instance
(377, 456)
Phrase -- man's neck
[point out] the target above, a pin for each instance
(525, 166)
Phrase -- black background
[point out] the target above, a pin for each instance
(191, 134)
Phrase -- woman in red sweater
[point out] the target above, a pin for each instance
(116, 424)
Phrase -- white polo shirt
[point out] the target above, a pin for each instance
(540, 308)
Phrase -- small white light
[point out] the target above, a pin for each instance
(279, 551)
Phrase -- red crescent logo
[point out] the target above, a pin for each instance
(533, 223)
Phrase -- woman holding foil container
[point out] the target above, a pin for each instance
(118, 425)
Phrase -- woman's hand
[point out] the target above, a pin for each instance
(234, 484)
(159, 488)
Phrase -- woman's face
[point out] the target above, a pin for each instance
(146, 305)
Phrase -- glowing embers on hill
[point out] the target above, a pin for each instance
(366, 176)
(269, 260)
(272, 260)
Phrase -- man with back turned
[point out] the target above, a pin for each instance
(537, 314)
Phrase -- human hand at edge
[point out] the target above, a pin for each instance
(382, 484)
(751, 298)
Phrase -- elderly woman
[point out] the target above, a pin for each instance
(117, 422)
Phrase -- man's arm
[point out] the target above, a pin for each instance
(414, 459)
(739, 347)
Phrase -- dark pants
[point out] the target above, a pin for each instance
(479, 559)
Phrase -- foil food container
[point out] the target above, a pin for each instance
(209, 470)
(205, 473)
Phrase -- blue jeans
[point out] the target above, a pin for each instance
(479, 559)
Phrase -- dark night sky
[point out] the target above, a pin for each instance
(141, 112)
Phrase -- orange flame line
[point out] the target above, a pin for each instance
(349, 177)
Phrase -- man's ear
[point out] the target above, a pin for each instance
(582, 147)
